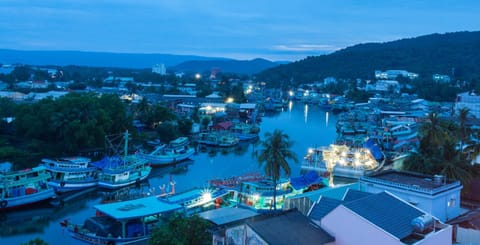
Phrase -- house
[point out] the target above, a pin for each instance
(287, 227)
(223, 218)
(50, 94)
(383, 218)
(384, 86)
(466, 228)
(434, 194)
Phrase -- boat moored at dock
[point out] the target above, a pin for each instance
(24, 187)
(71, 173)
(176, 151)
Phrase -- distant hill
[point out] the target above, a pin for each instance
(455, 54)
(230, 66)
(94, 59)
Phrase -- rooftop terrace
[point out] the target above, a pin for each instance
(413, 181)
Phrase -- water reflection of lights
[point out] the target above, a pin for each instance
(326, 119)
(306, 112)
(290, 105)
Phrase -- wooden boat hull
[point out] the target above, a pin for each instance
(25, 200)
(65, 186)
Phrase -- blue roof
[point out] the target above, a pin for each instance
(137, 208)
(323, 207)
(305, 180)
(108, 162)
(352, 195)
(374, 149)
(386, 212)
(289, 227)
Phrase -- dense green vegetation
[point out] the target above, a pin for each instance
(182, 230)
(439, 153)
(454, 54)
(78, 123)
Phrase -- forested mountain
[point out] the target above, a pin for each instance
(454, 54)
(94, 59)
(229, 66)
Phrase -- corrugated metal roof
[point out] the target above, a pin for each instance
(227, 215)
(386, 212)
(288, 228)
(353, 195)
(324, 206)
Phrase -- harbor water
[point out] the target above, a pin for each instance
(306, 125)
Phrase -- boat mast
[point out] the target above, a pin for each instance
(125, 150)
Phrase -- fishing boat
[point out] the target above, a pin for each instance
(259, 195)
(127, 222)
(71, 173)
(121, 170)
(217, 139)
(345, 161)
(24, 187)
(244, 131)
(176, 151)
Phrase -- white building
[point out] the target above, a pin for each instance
(469, 101)
(435, 195)
(441, 78)
(383, 218)
(384, 86)
(159, 69)
(393, 74)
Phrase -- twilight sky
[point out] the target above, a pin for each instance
(242, 29)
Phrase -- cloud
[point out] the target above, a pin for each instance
(305, 47)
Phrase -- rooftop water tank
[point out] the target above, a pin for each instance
(439, 179)
(421, 223)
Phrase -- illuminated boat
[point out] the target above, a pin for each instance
(345, 161)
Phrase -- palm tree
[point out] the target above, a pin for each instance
(433, 134)
(273, 155)
(462, 118)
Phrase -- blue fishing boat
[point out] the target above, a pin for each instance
(71, 173)
(121, 170)
(24, 187)
(176, 151)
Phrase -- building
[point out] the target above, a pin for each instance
(469, 101)
(383, 218)
(159, 69)
(394, 74)
(434, 194)
(384, 86)
(287, 227)
(441, 78)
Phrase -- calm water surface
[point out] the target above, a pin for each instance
(306, 125)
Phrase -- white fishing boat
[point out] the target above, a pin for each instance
(176, 151)
(71, 173)
(345, 161)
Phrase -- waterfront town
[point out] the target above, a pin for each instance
(383, 146)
